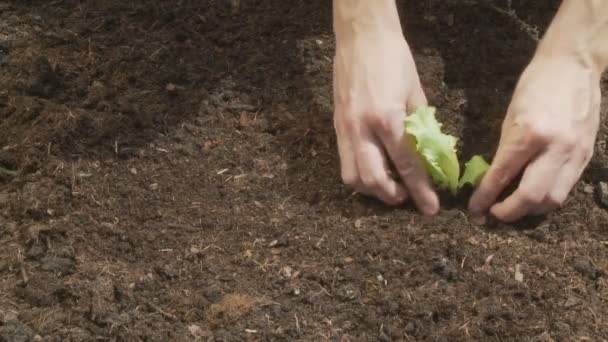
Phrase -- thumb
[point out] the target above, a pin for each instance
(417, 97)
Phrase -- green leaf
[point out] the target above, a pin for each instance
(474, 170)
(437, 150)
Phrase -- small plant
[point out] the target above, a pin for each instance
(438, 152)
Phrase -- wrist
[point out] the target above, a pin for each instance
(578, 32)
(356, 18)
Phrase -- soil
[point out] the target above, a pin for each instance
(169, 173)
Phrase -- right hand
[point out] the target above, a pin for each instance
(375, 84)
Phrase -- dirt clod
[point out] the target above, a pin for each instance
(231, 307)
(445, 269)
(585, 267)
(58, 265)
(348, 293)
(602, 193)
(15, 331)
(571, 302)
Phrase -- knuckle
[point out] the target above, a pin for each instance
(348, 124)
(500, 176)
(406, 168)
(370, 181)
(587, 152)
(349, 178)
(532, 197)
(537, 134)
(557, 199)
(377, 121)
(568, 141)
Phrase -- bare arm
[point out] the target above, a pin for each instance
(364, 16)
(375, 82)
(580, 29)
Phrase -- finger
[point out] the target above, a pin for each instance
(373, 172)
(512, 155)
(407, 163)
(566, 179)
(348, 167)
(536, 184)
(417, 98)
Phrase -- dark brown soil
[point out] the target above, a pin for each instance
(169, 173)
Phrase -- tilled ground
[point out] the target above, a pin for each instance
(168, 172)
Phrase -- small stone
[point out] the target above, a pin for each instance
(572, 302)
(169, 271)
(518, 275)
(170, 87)
(450, 19)
(358, 223)
(538, 234)
(489, 259)
(280, 242)
(588, 189)
(410, 327)
(348, 293)
(286, 272)
(602, 193)
(442, 267)
(133, 171)
(585, 267)
(154, 186)
(194, 330)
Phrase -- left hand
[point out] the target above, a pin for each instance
(548, 133)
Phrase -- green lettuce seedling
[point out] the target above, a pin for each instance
(438, 152)
(474, 170)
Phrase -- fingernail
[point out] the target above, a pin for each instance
(478, 219)
(429, 210)
(475, 210)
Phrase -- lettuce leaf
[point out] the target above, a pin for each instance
(438, 151)
(474, 170)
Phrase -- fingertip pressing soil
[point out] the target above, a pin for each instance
(168, 172)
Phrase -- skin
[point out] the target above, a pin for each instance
(547, 135)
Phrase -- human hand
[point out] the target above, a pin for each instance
(375, 84)
(549, 133)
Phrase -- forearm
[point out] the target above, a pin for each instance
(355, 17)
(579, 29)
